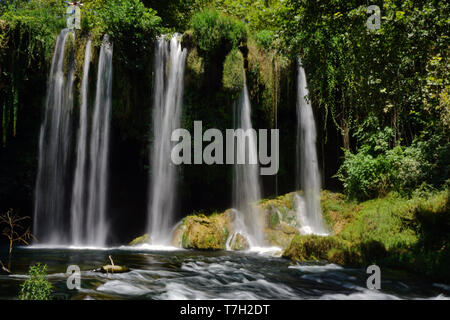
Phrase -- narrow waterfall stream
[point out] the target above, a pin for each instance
(169, 65)
(79, 194)
(246, 184)
(308, 177)
(96, 225)
(51, 192)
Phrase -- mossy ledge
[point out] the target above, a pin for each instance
(395, 232)
(409, 234)
(212, 232)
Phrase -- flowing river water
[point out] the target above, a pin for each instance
(170, 273)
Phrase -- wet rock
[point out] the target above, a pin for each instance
(239, 242)
(204, 233)
(144, 239)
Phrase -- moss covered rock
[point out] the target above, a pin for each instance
(233, 71)
(144, 239)
(204, 233)
(311, 247)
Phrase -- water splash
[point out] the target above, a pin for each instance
(51, 192)
(246, 184)
(169, 66)
(308, 177)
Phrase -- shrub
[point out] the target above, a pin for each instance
(366, 176)
(131, 26)
(36, 287)
(215, 32)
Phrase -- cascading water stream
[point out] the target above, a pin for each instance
(86, 199)
(51, 192)
(308, 177)
(79, 195)
(246, 184)
(169, 65)
(95, 224)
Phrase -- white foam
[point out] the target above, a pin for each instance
(364, 294)
(122, 288)
(150, 247)
(266, 251)
(66, 247)
(313, 268)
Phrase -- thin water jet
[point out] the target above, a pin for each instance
(96, 225)
(246, 184)
(309, 209)
(79, 195)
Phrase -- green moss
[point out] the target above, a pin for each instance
(205, 233)
(233, 72)
(195, 65)
(311, 247)
(274, 219)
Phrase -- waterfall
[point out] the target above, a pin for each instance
(169, 64)
(79, 193)
(95, 224)
(246, 185)
(51, 192)
(54, 197)
(308, 177)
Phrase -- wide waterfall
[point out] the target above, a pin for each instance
(246, 184)
(169, 64)
(96, 228)
(51, 193)
(308, 177)
(79, 194)
(85, 200)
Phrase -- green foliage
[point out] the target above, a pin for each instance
(131, 26)
(376, 169)
(365, 176)
(215, 32)
(258, 14)
(264, 38)
(233, 71)
(36, 287)
(32, 26)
